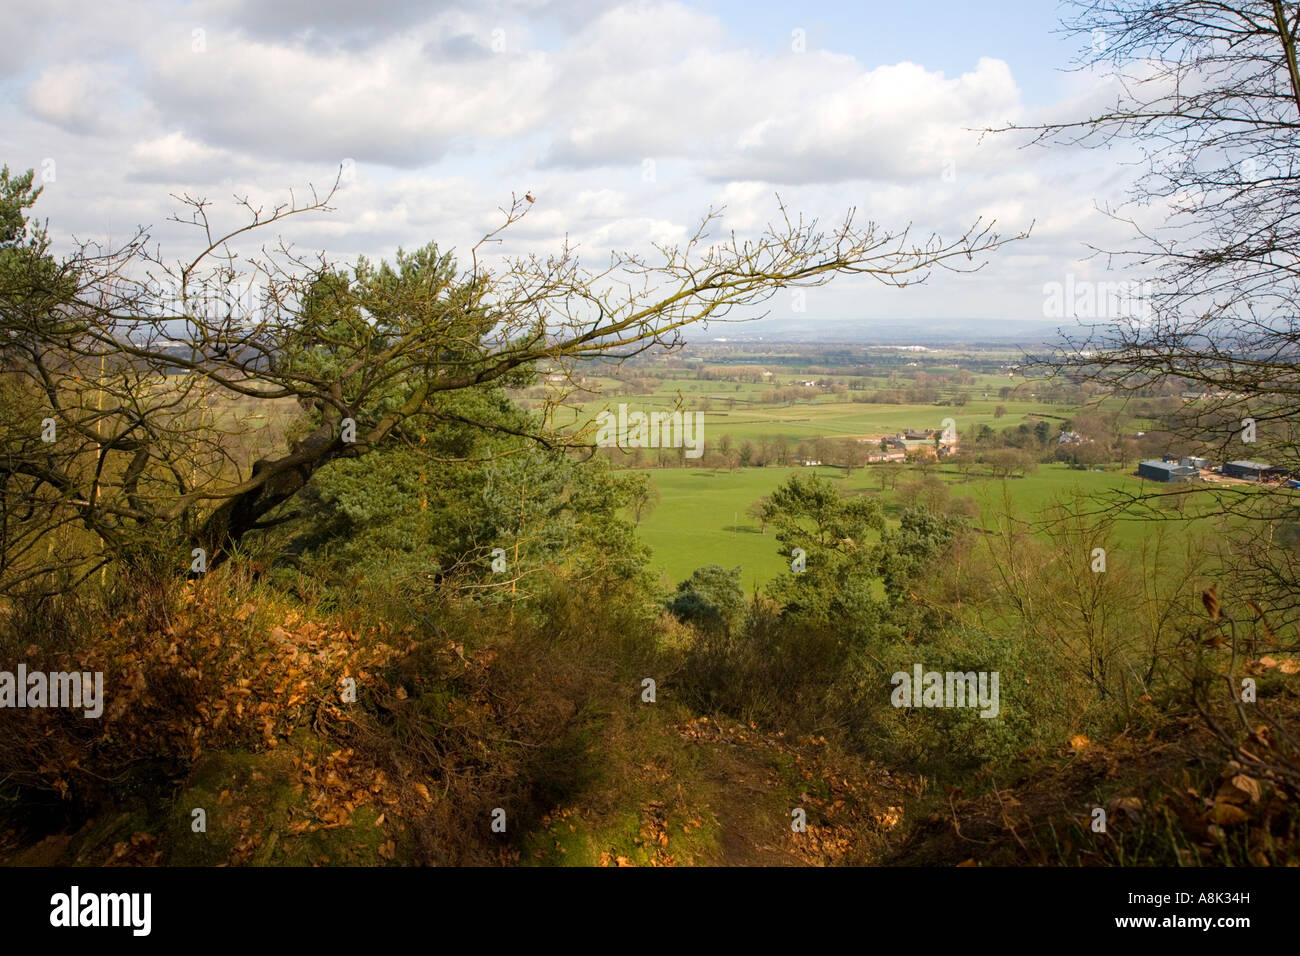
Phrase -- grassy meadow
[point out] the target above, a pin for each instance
(810, 420)
(701, 518)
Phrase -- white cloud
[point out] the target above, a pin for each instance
(387, 104)
(443, 130)
(73, 97)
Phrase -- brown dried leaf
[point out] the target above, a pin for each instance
(1247, 785)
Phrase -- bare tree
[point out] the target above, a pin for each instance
(852, 454)
(1209, 93)
(150, 369)
(645, 497)
(1114, 616)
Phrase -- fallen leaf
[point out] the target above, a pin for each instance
(1226, 815)
(1245, 785)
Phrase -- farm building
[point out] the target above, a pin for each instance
(1247, 470)
(1195, 462)
(1165, 471)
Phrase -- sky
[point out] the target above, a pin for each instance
(626, 122)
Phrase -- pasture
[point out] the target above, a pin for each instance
(701, 518)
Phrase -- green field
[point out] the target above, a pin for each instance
(701, 518)
(807, 421)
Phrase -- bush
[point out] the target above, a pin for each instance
(1034, 704)
(770, 670)
(711, 598)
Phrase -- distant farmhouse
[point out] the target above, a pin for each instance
(910, 442)
(910, 437)
(1195, 462)
(1073, 438)
(1166, 471)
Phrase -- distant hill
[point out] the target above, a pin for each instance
(932, 332)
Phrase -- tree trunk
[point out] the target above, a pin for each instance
(281, 480)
